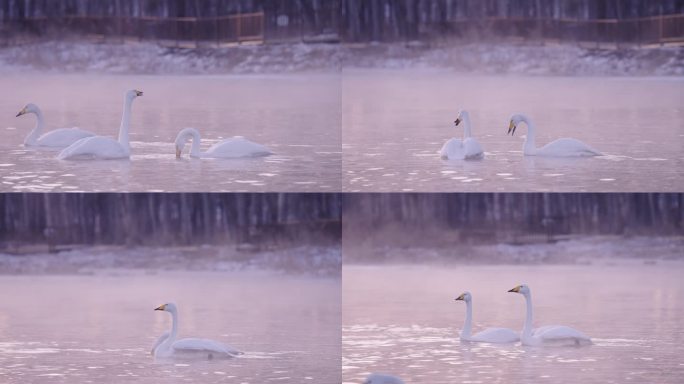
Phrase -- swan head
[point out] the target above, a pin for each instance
(459, 117)
(515, 120)
(465, 296)
(28, 108)
(521, 289)
(168, 307)
(133, 93)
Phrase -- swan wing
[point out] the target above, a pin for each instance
(94, 147)
(237, 147)
(559, 333)
(378, 378)
(63, 137)
(473, 150)
(567, 147)
(496, 335)
(204, 345)
(452, 150)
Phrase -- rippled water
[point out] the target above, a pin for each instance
(404, 321)
(296, 116)
(394, 122)
(100, 328)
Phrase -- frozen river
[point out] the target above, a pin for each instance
(101, 327)
(395, 122)
(403, 320)
(296, 116)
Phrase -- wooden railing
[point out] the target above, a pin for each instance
(648, 30)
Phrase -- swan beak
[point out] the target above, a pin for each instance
(511, 128)
(460, 297)
(516, 289)
(161, 308)
(138, 93)
(457, 122)
(178, 152)
(22, 112)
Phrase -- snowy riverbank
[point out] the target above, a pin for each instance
(484, 58)
(581, 250)
(306, 260)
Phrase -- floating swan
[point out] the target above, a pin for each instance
(168, 346)
(548, 335)
(101, 147)
(559, 148)
(468, 149)
(489, 335)
(59, 138)
(378, 378)
(234, 147)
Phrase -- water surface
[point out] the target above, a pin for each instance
(403, 320)
(296, 116)
(100, 328)
(395, 122)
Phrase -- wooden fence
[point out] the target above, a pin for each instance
(253, 27)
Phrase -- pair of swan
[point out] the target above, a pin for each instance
(79, 144)
(167, 346)
(469, 148)
(547, 335)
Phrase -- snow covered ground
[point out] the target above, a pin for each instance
(485, 58)
(307, 260)
(580, 250)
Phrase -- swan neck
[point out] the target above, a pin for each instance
(125, 122)
(466, 125)
(195, 148)
(529, 147)
(468, 325)
(33, 136)
(174, 327)
(527, 327)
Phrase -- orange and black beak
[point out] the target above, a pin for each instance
(511, 128)
(161, 307)
(516, 289)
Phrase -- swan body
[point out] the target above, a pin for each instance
(378, 378)
(101, 147)
(565, 147)
(550, 334)
(489, 335)
(236, 147)
(58, 138)
(167, 345)
(466, 149)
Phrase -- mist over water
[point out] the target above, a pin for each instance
(395, 122)
(296, 116)
(403, 320)
(101, 327)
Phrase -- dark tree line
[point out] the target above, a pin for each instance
(173, 219)
(557, 213)
(352, 19)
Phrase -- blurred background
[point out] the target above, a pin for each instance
(511, 227)
(290, 232)
(179, 22)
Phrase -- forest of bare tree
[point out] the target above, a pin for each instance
(379, 20)
(171, 219)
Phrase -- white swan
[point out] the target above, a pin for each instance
(101, 147)
(234, 147)
(489, 335)
(59, 138)
(468, 149)
(378, 378)
(547, 335)
(560, 148)
(168, 346)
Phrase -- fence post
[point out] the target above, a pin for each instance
(660, 27)
(239, 28)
